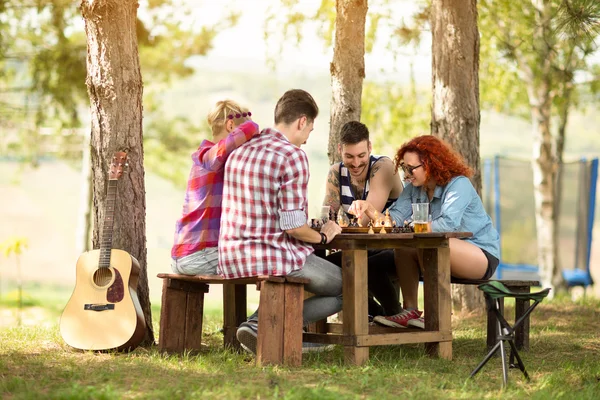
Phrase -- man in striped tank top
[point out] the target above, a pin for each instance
(362, 176)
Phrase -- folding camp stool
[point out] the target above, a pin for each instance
(494, 291)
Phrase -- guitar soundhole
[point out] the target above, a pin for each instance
(102, 276)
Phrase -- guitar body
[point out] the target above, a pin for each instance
(104, 312)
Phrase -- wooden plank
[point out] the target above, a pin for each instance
(404, 338)
(292, 333)
(270, 324)
(187, 286)
(193, 317)
(354, 291)
(329, 339)
(438, 298)
(297, 279)
(216, 278)
(172, 319)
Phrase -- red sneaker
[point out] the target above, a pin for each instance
(399, 320)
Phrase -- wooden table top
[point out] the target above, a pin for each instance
(389, 240)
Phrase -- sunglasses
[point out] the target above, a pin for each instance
(408, 169)
(242, 115)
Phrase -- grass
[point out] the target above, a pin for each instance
(564, 363)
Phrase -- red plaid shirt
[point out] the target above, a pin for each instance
(198, 227)
(265, 194)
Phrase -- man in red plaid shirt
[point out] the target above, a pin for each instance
(263, 224)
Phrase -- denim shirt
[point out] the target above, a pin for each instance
(455, 207)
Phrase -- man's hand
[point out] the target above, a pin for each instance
(360, 207)
(331, 229)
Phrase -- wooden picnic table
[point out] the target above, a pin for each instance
(355, 333)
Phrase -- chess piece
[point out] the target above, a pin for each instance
(382, 229)
(387, 220)
(342, 218)
(376, 220)
(371, 231)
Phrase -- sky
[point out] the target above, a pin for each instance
(244, 45)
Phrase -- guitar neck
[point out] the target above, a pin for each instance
(107, 229)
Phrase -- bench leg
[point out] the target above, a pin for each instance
(181, 316)
(492, 326)
(280, 326)
(234, 313)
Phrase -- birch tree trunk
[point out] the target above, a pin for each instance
(114, 84)
(543, 156)
(347, 69)
(455, 109)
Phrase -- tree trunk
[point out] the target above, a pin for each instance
(563, 118)
(114, 84)
(347, 69)
(455, 109)
(543, 157)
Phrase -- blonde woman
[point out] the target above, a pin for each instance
(194, 250)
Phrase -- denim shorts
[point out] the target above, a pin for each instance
(492, 265)
(202, 262)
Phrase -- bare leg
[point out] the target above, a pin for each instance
(407, 267)
(467, 261)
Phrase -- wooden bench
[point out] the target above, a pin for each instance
(280, 314)
(522, 332)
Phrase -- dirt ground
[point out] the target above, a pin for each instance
(43, 206)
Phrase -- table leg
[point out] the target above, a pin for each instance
(355, 315)
(438, 298)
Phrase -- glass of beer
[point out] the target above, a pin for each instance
(421, 217)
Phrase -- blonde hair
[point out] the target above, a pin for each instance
(222, 111)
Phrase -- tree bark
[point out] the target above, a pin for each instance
(114, 85)
(347, 69)
(455, 110)
(543, 156)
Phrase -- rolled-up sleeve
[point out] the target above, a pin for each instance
(293, 190)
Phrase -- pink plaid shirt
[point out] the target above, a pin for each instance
(265, 194)
(198, 227)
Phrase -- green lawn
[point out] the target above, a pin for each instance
(564, 363)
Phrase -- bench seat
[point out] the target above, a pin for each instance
(280, 314)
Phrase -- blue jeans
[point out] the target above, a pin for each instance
(325, 284)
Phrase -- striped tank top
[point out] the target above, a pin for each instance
(347, 195)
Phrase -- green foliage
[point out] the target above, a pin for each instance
(393, 113)
(168, 144)
(43, 68)
(511, 62)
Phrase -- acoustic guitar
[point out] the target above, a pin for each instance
(104, 312)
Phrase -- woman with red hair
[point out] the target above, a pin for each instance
(436, 174)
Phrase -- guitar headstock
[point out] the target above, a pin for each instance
(116, 167)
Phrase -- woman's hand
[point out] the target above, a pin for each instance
(331, 229)
(360, 207)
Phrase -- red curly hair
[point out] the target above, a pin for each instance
(440, 162)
